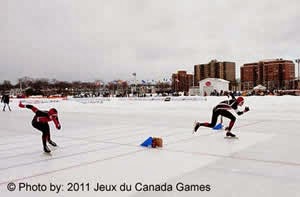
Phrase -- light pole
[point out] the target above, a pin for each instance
(298, 62)
(20, 80)
(135, 88)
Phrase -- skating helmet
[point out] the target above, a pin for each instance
(240, 100)
(52, 112)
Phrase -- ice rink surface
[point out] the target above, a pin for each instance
(99, 144)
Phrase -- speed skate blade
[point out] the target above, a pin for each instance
(233, 138)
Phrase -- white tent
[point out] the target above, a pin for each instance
(260, 87)
(208, 85)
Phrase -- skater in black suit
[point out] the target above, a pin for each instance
(223, 109)
(5, 100)
(40, 122)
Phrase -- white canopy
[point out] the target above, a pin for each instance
(208, 85)
(259, 87)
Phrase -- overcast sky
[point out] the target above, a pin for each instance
(110, 39)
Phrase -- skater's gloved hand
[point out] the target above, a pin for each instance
(247, 109)
(240, 113)
(21, 105)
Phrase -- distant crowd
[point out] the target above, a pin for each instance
(256, 93)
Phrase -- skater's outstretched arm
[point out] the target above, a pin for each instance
(242, 112)
(56, 121)
(33, 108)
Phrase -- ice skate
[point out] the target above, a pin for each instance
(52, 143)
(196, 126)
(46, 149)
(230, 135)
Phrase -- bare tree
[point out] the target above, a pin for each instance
(6, 85)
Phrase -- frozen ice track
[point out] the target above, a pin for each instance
(105, 144)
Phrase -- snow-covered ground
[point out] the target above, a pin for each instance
(99, 144)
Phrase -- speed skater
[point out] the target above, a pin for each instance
(40, 122)
(223, 109)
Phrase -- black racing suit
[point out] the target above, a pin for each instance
(223, 109)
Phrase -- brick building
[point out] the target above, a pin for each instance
(274, 74)
(215, 69)
(181, 81)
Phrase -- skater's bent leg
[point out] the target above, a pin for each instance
(45, 138)
(230, 116)
(44, 128)
(231, 123)
(50, 141)
(214, 119)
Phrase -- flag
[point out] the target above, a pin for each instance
(134, 74)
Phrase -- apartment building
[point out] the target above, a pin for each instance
(274, 74)
(215, 69)
(182, 81)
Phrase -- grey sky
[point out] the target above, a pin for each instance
(110, 39)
